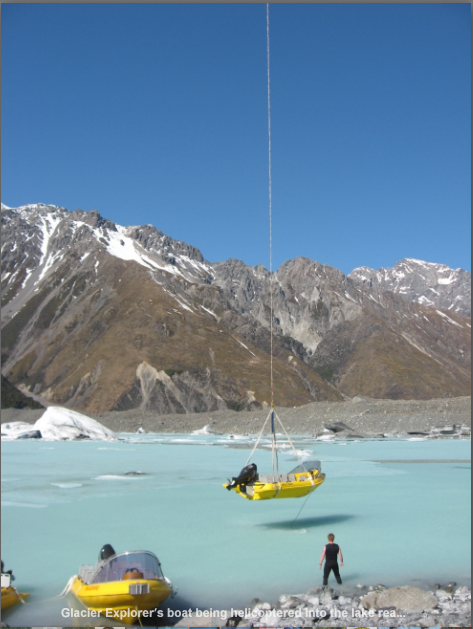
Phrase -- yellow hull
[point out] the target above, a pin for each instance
(303, 485)
(114, 597)
(11, 597)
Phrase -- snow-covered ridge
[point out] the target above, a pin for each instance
(161, 253)
(430, 284)
(122, 246)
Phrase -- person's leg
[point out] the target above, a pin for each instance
(336, 572)
(327, 569)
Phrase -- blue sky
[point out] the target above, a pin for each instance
(157, 113)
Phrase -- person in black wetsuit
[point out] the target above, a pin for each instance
(330, 553)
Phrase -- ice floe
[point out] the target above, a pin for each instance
(206, 430)
(19, 430)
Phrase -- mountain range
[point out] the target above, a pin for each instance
(98, 317)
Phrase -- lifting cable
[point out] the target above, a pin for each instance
(272, 414)
(273, 432)
(270, 205)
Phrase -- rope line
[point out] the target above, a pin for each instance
(67, 589)
(300, 511)
(290, 441)
(258, 440)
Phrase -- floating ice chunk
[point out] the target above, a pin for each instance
(28, 505)
(206, 430)
(118, 477)
(329, 437)
(19, 430)
(62, 424)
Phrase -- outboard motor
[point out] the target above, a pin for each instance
(247, 475)
(106, 552)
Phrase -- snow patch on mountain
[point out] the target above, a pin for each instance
(442, 314)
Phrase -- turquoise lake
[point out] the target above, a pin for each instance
(400, 511)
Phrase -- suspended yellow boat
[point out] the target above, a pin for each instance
(124, 587)
(11, 596)
(300, 482)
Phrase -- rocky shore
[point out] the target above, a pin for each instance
(357, 418)
(375, 606)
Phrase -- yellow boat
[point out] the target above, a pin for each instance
(301, 481)
(11, 596)
(124, 587)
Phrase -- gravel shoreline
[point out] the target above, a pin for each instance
(375, 606)
(363, 416)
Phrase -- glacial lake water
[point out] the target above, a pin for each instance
(400, 511)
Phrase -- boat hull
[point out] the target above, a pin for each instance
(303, 485)
(10, 596)
(115, 600)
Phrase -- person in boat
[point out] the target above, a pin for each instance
(10, 572)
(330, 553)
(246, 476)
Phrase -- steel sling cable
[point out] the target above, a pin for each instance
(274, 449)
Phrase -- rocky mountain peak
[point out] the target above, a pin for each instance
(426, 283)
(93, 218)
(99, 316)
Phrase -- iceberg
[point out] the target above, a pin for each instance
(59, 424)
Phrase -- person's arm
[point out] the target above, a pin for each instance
(341, 557)
(322, 556)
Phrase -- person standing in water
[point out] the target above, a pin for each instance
(330, 553)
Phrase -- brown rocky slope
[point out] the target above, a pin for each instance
(99, 317)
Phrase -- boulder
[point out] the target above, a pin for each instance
(31, 434)
(360, 398)
(450, 586)
(338, 427)
(326, 598)
(448, 430)
(406, 598)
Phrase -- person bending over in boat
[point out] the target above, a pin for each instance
(330, 553)
(246, 476)
(10, 572)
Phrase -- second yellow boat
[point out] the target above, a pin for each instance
(124, 587)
